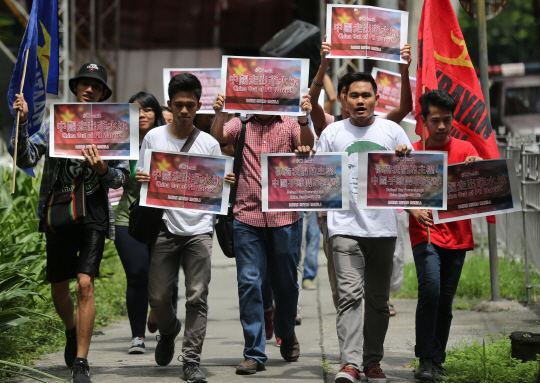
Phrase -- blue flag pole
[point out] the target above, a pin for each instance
(17, 129)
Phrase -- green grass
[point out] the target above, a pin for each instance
(475, 284)
(487, 362)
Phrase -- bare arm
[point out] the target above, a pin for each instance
(330, 94)
(406, 102)
(317, 114)
(306, 134)
(217, 130)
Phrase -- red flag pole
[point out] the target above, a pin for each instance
(424, 148)
(17, 127)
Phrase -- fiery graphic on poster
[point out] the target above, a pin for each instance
(211, 84)
(78, 126)
(365, 32)
(184, 181)
(480, 188)
(405, 181)
(311, 182)
(263, 84)
(389, 90)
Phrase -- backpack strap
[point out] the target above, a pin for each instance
(238, 157)
(190, 140)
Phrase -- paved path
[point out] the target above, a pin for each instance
(222, 351)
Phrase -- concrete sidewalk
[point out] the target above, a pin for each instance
(319, 360)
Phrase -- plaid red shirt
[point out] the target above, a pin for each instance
(280, 134)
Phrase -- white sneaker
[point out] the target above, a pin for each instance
(137, 346)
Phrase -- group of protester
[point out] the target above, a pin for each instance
(359, 244)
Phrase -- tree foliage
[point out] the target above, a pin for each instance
(513, 36)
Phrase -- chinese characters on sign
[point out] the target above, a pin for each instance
(485, 188)
(264, 85)
(210, 80)
(389, 91)
(366, 32)
(113, 128)
(295, 182)
(390, 181)
(186, 181)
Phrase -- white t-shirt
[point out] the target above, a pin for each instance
(181, 222)
(342, 136)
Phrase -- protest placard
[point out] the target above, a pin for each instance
(186, 181)
(292, 182)
(484, 188)
(416, 180)
(366, 32)
(115, 195)
(264, 85)
(113, 128)
(210, 79)
(389, 90)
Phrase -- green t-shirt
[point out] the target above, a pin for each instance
(131, 192)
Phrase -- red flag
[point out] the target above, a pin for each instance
(444, 63)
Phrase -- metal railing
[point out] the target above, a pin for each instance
(519, 233)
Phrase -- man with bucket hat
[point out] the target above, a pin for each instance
(74, 243)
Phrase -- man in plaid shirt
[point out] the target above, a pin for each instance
(77, 251)
(264, 240)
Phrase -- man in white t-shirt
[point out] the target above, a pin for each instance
(363, 240)
(184, 236)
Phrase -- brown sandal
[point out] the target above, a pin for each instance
(391, 309)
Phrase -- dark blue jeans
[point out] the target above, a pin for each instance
(256, 249)
(438, 271)
(313, 236)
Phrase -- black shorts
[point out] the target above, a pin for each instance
(73, 252)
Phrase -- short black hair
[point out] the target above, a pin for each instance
(361, 76)
(342, 81)
(437, 98)
(148, 100)
(165, 108)
(185, 82)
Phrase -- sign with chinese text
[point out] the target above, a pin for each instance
(113, 128)
(389, 90)
(210, 80)
(484, 188)
(186, 181)
(366, 32)
(292, 182)
(387, 181)
(264, 85)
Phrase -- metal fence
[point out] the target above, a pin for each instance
(518, 234)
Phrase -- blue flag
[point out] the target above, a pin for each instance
(41, 41)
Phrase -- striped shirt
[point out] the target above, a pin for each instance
(280, 134)
(30, 151)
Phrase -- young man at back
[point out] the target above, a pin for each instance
(264, 240)
(439, 264)
(75, 252)
(363, 240)
(184, 236)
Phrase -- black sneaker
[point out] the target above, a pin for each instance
(192, 374)
(80, 372)
(165, 347)
(423, 373)
(438, 371)
(70, 352)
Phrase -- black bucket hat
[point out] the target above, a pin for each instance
(95, 71)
